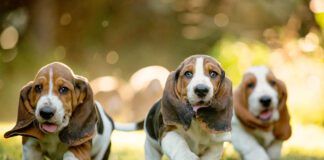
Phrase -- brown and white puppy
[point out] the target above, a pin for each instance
(261, 120)
(59, 119)
(193, 118)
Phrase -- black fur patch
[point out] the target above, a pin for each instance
(100, 125)
(154, 121)
(106, 156)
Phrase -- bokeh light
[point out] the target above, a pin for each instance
(65, 19)
(9, 37)
(140, 78)
(112, 57)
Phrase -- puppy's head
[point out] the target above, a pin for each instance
(197, 84)
(262, 91)
(56, 102)
(262, 95)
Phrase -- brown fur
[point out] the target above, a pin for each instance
(176, 110)
(281, 128)
(78, 103)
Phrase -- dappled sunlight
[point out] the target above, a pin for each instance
(141, 78)
(127, 49)
(104, 84)
(130, 100)
(306, 141)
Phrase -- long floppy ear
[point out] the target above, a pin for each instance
(83, 120)
(26, 124)
(282, 128)
(218, 117)
(175, 111)
(242, 111)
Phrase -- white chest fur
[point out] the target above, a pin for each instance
(265, 138)
(199, 140)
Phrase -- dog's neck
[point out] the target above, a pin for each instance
(52, 146)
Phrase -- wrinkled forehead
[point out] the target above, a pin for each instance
(207, 61)
(54, 71)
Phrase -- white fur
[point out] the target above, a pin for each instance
(53, 101)
(126, 126)
(51, 85)
(176, 147)
(180, 144)
(69, 156)
(34, 149)
(101, 141)
(257, 144)
(152, 148)
(254, 145)
(199, 77)
(195, 143)
(52, 145)
(31, 150)
(262, 88)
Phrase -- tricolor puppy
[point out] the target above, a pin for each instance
(261, 121)
(59, 119)
(193, 118)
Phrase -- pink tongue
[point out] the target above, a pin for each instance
(49, 127)
(195, 108)
(265, 115)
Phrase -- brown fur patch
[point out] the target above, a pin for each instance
(175, 108)
(281, 128)
(77, 101)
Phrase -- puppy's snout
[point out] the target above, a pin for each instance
(201, 90)
(47, 112)
(265, 101)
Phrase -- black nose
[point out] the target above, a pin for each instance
(201, 90)
(265, 101)
(47, 112)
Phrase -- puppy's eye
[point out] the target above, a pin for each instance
(250, 85)
(63, 90)
(188, 74)
(213, 74)
(272, 82)
(38, 88)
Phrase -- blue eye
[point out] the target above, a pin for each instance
(38, 88)
(63, 90)
(213, 74)
(188, 74)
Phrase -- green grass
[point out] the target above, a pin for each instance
(129, 146)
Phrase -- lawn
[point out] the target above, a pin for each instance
(305, 144)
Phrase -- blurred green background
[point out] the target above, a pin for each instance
(117, 38)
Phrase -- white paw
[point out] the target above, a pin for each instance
(69, 156)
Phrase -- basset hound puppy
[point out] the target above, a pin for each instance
(193, 118)
(261, 120)
(58, 118)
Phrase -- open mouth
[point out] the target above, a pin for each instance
(265, 115)
(199, 105)
(49, 127)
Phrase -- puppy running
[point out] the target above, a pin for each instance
(193, 118)
(59, 119)
(261, 121)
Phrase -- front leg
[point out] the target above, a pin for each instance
(69, 156)
(176, 148)
(80, 152)
(274, 150)
(247, 145)
(31, 149)
(214, 152)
